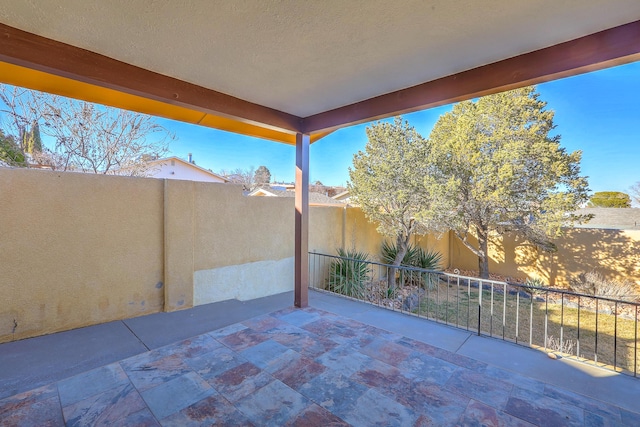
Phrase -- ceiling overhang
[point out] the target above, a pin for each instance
(608, 48)
(36, 62)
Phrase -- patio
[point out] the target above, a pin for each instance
(260, 362)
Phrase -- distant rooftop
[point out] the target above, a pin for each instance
(314, 198)
(612, 218)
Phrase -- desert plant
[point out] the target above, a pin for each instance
(349, 274)
(566, 346)
(534, 286)
(594, 283)
(390, 250)
(427, 259)
(415, 257)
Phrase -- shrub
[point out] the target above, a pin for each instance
(349, 275)
(427, 259)
(594, 283)
(415, 257)
(390, 250)
(531, 284)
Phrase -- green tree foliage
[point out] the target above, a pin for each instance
(386, 182)
(10, 152)
(31, 140)
(262, 176)
(609, 199)
(494, 167)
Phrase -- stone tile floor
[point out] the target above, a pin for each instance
(305, 367)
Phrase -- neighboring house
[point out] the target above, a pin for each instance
(315, 199)
(344, 197)
(177, 168)
(612, 218)
(282, 186)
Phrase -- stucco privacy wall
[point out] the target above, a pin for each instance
(347, 227)
(613, 253)
(363, 236)
(77, 249)
(81, 249)
(243, 246)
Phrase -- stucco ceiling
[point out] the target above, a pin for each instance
(305, 57)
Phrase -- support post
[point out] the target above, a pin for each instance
(301, 256)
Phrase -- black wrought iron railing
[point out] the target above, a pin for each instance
(588, 328)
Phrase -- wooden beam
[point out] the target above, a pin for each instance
(615, 46)
(301, 255)
(25, 49)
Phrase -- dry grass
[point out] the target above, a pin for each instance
(459, 305)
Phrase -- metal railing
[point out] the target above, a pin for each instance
(591, 329)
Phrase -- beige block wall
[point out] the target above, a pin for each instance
(77, 249)
(613, 253)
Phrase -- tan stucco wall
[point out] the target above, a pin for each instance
(179, 235)
(243, 246)
(77, 249)
(363, 235)
(326, 228)
(613, 253)
(81, 249)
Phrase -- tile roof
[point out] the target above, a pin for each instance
(612, 218)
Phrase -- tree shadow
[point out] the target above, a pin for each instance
(613, 253)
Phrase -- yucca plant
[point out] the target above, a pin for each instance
(428, 260)
(415, 257)
(349, 274)
(532, 284)
(390, 250)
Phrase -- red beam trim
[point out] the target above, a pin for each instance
(604, 49)
(39, 53)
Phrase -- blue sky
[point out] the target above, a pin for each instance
(598, 113)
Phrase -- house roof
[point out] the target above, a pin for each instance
(276, 68)
(343, 195)
(314, 198)
(186, 163)
(612, 218)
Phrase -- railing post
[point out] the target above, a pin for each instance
(480, 286)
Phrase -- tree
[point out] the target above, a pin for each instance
(19, 111)
(609, 199)
(386, 182)
(241, 176)
(318, 187)
(10, 152)
(635, 192)
(262, 176)
(32, 141)
(494, 167)
(88, 137)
